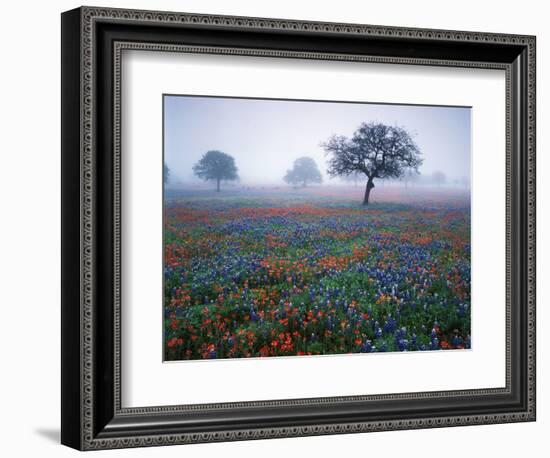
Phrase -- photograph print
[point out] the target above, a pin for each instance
(301, 228)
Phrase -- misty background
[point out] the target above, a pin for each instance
(266, 136)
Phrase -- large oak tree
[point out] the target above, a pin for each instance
(216, 166)
(376, 150)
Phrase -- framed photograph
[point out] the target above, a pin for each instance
(276, 228)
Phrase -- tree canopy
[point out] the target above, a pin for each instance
(376, 150)
(303, 172)
(216, 166)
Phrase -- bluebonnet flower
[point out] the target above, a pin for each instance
(390, 324)
(220, 273)
(403, 344)
(366, 347)
(456, 341)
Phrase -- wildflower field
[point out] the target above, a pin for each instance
(284, 273)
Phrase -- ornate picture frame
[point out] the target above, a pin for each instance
(93, 416)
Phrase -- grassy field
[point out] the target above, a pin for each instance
(270, 272)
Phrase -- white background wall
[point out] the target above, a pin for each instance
(30, 229)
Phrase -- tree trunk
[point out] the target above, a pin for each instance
(218, 185)
(368, 188)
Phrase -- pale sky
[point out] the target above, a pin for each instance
(266, 136)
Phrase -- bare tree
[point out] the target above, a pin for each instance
(375, 150)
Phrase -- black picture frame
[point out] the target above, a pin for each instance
(92, 416)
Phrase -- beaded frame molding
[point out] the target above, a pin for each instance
(93, 40)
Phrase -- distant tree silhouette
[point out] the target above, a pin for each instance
(354, 178)
(375, 150)
(166, 173)
(410, 176)
(216, 166)
(439, 178)
(303, 172)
